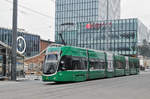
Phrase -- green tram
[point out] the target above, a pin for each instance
(72, 64)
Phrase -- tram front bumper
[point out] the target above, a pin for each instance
(48, 78)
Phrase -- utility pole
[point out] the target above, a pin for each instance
(107, 9)
(14, 40)
(108, 39)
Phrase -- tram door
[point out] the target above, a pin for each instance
(110, 67)
(1, 65)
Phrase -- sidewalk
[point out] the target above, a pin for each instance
(7, 83)
(30, 77)
(145, 71)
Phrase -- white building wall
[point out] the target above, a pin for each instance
(143, 33)
(102, 12)
(113, 9)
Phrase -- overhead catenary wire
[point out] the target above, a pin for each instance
(31, 10)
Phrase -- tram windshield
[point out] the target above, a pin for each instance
(51, 57)
(50, 64)
(72, 63)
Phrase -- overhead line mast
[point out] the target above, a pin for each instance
(14, 40)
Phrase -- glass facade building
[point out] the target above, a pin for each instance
(120, 36)
(74, 11)
(32, 41)
(5, 62)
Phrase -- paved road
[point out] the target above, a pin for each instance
(129, 87)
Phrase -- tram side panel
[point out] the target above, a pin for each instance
(97, 65)
(119, 64)
(133, 65)
(79, 64)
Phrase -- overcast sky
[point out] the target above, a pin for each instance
(43, 24)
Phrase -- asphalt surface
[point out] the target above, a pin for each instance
(128, 87)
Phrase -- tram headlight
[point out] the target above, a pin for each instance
(62, 65)
(62, 62)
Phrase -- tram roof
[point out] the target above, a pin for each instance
(59, 45)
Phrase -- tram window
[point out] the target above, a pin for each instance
(44, 59)
(65, 63)
(84, 63)
(52, 57)
(102, 65)
(135, 65)
(131, 65)
(91, 65)
(119, 65)
(96, 64)
(78, 63)
(72, 63)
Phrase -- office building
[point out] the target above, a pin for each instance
(32, 41)
(121, 36)
(74, 11)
